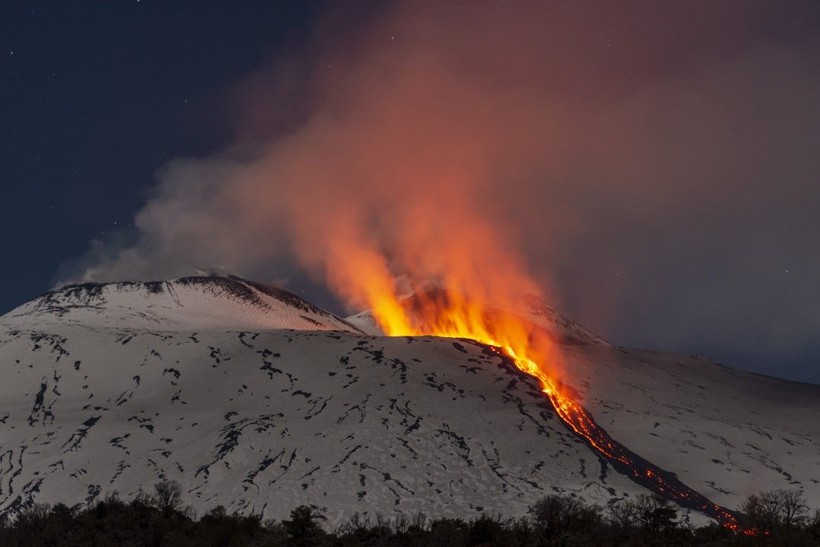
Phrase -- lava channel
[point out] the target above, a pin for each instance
(664, 483)
(449, 314)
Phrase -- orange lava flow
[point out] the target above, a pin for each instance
(448, 315)
(451, 316)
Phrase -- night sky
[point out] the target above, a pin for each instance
(655, 163)
(96, 97)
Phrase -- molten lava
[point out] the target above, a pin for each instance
(450, 315)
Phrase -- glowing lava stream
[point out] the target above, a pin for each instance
(443, 316)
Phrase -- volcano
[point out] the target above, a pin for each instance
(255, 399)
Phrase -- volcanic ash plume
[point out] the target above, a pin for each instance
(392, 173)
(441, 152)
(467, 145)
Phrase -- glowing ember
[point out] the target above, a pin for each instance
(449, 315)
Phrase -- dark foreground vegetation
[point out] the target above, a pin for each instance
(772, 518)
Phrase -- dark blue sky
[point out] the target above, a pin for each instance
(96, 96)
(677, 181)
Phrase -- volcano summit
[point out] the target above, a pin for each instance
(257, 400)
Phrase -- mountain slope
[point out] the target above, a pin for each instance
(265, 421)
(185, 303)
(258, 401)
(726, 433)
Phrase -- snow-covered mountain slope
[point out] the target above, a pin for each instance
(181, 304)
(564, 328)
(266, 421)
(111, 394)
(725, 433)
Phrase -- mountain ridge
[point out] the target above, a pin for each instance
(186, 302)
(96, 399)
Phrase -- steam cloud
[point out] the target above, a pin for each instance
(653, 166)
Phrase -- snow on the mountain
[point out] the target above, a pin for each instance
(567, 330)
(365, 322)
(182, 304)
(726, 433)
(264, 421)
(253, 399)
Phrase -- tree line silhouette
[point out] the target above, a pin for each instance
(779, 518)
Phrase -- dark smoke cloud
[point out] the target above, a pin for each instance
(654, 163)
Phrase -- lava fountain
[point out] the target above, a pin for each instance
(450, 315)
(385, 224)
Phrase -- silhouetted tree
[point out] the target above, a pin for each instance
(773, 510)
(813, 526)
(623, 514)
(303, 527)
(793, 507)
(655, 514)
(555, 515)
(555, 520)
(488, 531)
(168, 496)
(448, 532)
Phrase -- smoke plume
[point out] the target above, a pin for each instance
(651, 167)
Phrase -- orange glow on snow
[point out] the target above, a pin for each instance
(451, 315)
